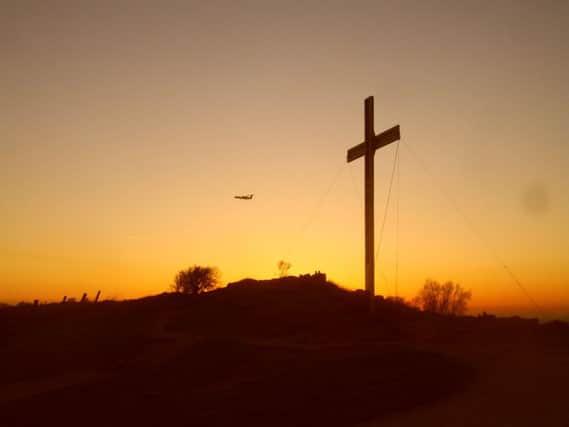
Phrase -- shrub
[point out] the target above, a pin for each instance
(195, 280)
(448, 298)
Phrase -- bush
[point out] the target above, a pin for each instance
(448, 298)
(195, 280)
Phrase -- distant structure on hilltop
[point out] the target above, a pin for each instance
(316, 277)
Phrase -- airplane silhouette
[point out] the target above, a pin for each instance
(244, 197)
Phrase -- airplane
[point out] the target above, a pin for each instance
(244, 197)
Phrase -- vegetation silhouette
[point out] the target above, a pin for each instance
(283, 267)
(294, 351)
(195, 280)
(448, 298)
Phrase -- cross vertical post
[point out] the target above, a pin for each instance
(367, 150)
(369, 201)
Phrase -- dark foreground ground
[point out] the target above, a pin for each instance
(280, 353)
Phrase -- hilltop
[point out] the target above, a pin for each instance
(291, 351)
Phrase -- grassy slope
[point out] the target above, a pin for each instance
(284, 352)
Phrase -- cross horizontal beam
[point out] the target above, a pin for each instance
(380, 140)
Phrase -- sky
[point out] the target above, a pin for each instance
(128, 126)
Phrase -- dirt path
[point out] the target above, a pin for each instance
(516, 388)
(25, 389)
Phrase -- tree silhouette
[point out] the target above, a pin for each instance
(448, 298)
(195, 280)
(283, 267)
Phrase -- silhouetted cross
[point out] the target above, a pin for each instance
(367, 150)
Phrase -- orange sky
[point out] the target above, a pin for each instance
(127, 128)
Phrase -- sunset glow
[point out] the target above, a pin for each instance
(126, 135)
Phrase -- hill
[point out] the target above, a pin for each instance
(291, 351)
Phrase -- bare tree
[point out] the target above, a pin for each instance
(195, 280)
(283, 267)
(448, 298)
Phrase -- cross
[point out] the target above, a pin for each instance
(367, 150)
